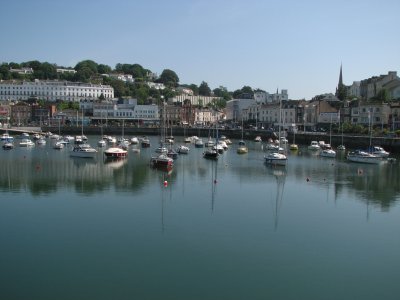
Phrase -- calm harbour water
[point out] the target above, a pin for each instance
(75, 228)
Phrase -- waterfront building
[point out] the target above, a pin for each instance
(206, 116)
(126, 109)
(370, 87)
(21, 113)
(53, 90)
(234, 109)
(370, 113)
(394, 119)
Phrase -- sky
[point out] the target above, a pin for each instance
(269, 45)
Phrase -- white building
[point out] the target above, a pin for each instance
(22, 71)
(53, 90)
(354, 90)
(196, 100)
(206, 116)
(122, 77)
(129, 110)
(234, 108)
(264, 97)
(62, 71)
(155, 85)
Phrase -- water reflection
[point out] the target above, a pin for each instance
(279, 173)
(45, 170)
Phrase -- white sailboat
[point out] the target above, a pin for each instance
(341, 147)
(242, 149)
(328, 151)
(276, 158)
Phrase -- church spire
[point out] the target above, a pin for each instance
(341, 88)
(340, 78)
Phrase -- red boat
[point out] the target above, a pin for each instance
(161, 160)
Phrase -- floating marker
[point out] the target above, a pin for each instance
(165, 183)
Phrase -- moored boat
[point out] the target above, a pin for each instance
(182, 149)
(8, 146)
(363, 157)
(314, 146)
(328, 153)
(161, 161)
(211, 154)
(84, 151)
(115, 152)
(275, 158)
(26, 143)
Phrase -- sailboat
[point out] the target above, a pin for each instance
(342, 147)
(101, 143)
(242, 149)
(276, 158)
(363, 156)
(162, 160)
(328, 151)
(294, 146)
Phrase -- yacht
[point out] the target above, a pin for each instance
(379, 151)
(26, 143)
(275, 158)
(145, 142)
(84, 151)
(211, 154)
(328, 153)
(134, 140)
(8, 146)
(363, 157)
(314, 146)
(182, 149)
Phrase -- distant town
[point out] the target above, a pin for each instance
(42, 94)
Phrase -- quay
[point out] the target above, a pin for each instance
(391, 144)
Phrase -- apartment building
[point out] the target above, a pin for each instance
(53, 90)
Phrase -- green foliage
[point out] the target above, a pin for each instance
(204, 89)
(67, 105)
(87, 64)
(136, 70)
(342, 92)
(223, 93)
(169, 78)
(194, 88)
(103, 69)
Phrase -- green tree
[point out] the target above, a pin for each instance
(194, 88)
(204, 89)
(87, 65)
(342, 92)
(223, 93)
(103, 69)
(169, 78)
(5, 71)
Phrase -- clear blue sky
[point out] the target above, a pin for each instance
(285, 44)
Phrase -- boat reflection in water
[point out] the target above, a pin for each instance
(115, 162)
(280, 176)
